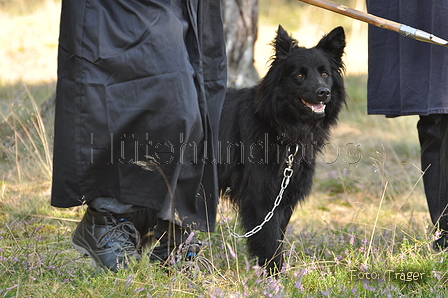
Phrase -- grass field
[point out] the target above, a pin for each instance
(364, 231)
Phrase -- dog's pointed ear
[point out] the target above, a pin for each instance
(333, 43)
(283, 43)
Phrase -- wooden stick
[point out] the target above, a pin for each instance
(378, 21)
(355, 14)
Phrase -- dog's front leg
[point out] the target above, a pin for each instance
(267, 244)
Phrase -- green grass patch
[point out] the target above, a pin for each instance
(364, 231)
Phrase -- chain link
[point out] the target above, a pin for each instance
(287, 174)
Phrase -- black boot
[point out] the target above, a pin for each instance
(175, 240)
(108, 238)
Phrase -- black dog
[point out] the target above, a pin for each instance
(294, 106)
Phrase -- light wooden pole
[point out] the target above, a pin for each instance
(404, 30)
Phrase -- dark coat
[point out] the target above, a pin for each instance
(408, 77)
(135, 79)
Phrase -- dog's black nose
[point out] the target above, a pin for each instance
(323, 92)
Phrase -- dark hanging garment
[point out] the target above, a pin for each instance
(406, 76)
(140, 78)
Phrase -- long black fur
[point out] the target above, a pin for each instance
(258, 124)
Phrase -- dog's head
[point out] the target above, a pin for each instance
(304, 83)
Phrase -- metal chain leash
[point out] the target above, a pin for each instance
(287, 174)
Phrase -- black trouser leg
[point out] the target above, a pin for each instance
(433, 136)
(443, 196)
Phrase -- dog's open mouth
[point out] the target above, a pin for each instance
(318, 108)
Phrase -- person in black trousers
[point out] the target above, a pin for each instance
(409, 77)
(138, 81)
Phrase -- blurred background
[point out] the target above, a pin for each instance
(28, 41)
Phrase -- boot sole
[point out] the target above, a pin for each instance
(85, 252)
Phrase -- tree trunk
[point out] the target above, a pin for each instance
(240, 30)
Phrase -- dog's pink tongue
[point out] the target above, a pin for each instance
(316, 107)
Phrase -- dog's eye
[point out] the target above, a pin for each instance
(324, 74)
(300, 76)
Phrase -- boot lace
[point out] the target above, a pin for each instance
(120, 238)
